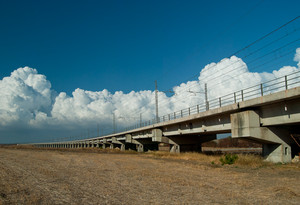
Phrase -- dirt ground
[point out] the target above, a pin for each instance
(29, 176)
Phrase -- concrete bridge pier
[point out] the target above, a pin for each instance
(277, 152)
(117, 143)
(175, 148)
(106, 144)
(122, 147)
(139, 145)
(276, 140)
(111, 146)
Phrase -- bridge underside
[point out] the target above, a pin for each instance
(270, 120)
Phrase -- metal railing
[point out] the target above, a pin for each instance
(282, 83)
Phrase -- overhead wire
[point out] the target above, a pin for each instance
(287, 34)
(163, 102)
(262, 48)
(253, 68)
(243, 57)
(251, 44)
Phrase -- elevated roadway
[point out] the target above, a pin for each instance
(269, 119)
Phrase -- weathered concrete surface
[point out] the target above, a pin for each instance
(268, 119)
(276, 141)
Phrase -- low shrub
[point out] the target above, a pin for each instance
(228, 159)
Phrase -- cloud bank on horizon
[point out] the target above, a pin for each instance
(27, 100)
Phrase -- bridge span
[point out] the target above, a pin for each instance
(271, 119)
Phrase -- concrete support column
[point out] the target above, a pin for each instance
(276, 141)
(175, 148)
(277, 152)
(118, 143)
(140, 148)
(111, 146)
(122, 147)
(139, 145)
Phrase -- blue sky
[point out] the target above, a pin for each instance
(127, 45)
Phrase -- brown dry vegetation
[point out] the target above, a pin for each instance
(94, 176)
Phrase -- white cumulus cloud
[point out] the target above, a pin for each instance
(27, 99)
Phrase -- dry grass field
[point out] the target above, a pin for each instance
(36, 176)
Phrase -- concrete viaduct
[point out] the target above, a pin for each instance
(268, 119)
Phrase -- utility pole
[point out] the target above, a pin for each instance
(156, 102)
(206, 100)
(205, 93)
(140, 119)
(98, 129)
(114, 122)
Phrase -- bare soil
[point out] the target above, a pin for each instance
(35, 176)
